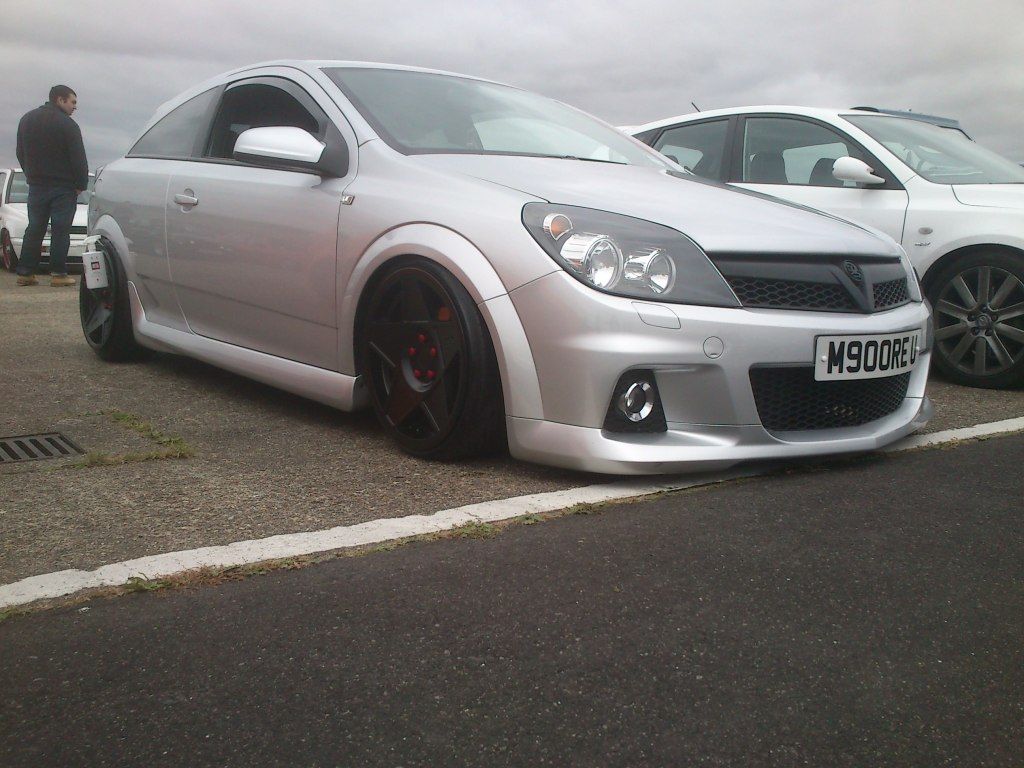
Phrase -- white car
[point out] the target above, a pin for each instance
(14, 219)
(956, 207)
(486, 267)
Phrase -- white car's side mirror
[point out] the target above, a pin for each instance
(278, 146)
(852, 169)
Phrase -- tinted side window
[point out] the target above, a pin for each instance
(779, 150)
(700, 147)
(262, 103)
(175, 135)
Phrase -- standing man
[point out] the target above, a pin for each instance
(52, 155)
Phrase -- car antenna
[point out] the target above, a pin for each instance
(695, 106)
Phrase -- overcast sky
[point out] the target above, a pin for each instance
(628, 63)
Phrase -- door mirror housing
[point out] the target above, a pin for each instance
(285, 147)
(852, 169)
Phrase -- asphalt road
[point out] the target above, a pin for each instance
(860, 614)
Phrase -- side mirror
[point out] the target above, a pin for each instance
(852, 169)
(279, 147)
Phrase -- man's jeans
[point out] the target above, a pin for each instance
(55, 206)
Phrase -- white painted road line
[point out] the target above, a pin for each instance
(954, 435)
(240, 553)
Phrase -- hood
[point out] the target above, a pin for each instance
(80, 220)
(991, 195)
(718, 218)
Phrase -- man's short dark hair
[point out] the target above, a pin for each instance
(61, 92)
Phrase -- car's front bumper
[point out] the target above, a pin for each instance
(582, 341)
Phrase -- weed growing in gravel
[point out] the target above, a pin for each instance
(142, 584)
(171, 446)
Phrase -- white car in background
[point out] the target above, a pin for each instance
(956, 207)
(14, 219)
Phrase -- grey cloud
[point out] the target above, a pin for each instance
(625, 62)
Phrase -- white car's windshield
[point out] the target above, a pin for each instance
(19, 189)
(937, 154)
(422, 112)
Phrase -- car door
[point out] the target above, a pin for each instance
(253, 250)
(134, 192)
(791, 157)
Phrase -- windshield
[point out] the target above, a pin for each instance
(938, 154)
(423, 112)
(19, 189)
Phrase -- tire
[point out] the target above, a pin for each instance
(106, 313)
(430, 365)
(8, 258)
(978, 307)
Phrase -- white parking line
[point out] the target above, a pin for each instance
(61, 583)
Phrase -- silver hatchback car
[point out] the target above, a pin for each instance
(485, 266)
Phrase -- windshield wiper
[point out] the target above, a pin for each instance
(585, 159)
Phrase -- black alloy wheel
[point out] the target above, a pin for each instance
(978, 306)
(106, 313)
(7, 256)
(430, 365)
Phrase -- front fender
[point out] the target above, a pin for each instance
(107, 227)
(460, 257)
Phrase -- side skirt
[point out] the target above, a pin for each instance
(329, 387)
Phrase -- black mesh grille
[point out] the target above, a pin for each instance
(790, 294)
(891, 293)
(789, 399)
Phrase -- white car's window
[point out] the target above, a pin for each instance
(423, 112)
(19, 188)
(699, 147)
(792, 151)
(937, 154)
(261, 103)
(176, 134)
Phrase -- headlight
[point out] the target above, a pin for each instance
(626, 256)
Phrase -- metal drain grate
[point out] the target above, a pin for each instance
(52, 445)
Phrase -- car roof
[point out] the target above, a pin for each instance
(822, 113)
(945, 122)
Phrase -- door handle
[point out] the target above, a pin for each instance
(186, 199)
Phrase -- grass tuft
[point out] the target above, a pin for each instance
(171, 446)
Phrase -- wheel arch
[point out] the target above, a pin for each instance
(107, 228)
(520, 386)
(949, 257)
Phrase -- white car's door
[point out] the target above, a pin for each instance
(253, 250)
(792, 157)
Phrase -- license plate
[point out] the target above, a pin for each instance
(865, 357)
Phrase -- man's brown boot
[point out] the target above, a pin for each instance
(62, 281)
(27, 280)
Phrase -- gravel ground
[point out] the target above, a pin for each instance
(265, 462)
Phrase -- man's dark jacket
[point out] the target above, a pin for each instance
(50, 149)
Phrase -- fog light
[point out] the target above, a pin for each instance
(635, 405)
(637, 402)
